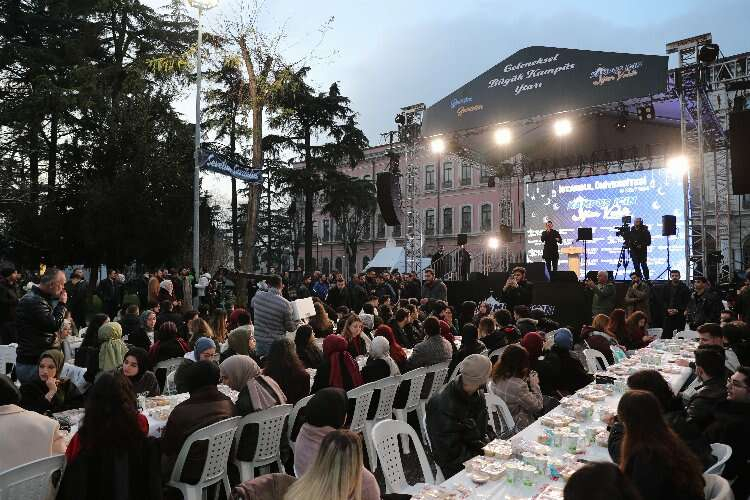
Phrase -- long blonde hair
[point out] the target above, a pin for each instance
(219, 325)
(336, 473)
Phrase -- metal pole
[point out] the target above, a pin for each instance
(701, 164)
(196, 171)
(686, 180)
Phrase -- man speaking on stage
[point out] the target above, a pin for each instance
(639, 240)
(550, 254)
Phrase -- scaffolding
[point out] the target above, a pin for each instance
(409, 131)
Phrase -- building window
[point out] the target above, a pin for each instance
(326, 230)
(339, 264)
(447, 221)
(465, 174)
(466, 219)
(486, 218)
(745, 201)
(381, 227)
(484, 174)
(366, 228)
(447, 175)
(429, 222)
(365, 261)
(326, 265)
(396, 233)
(429, 178)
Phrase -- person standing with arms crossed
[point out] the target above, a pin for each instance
(551, 239)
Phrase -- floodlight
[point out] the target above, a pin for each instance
(563, 127)
(708, 53)
(503, 136)
(203, 4)
(437, 145)
(493, 243)
(678, 165)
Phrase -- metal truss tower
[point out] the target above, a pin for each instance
(410, 124)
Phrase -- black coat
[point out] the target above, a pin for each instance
(703, 308)
(8, 301)
(675, 296)
(653, 479)
(520, 295)
(133, 332)
(77, 300)
(338, 297)
(559, 372)
(37, 323)
(551, 240)
(412, 290)
(400, 334)
(33, 397)
(729, 426)
(639, 240)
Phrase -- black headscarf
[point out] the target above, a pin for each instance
(201, 374)
(141, 356)
(327, 408)
(9, 393)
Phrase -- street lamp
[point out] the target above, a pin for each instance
(201, 5)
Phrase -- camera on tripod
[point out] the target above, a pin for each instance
(624, 229)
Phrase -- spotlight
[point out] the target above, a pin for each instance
(708, 53)
(503, 136)
(493, 243)
(400, 119)
(437, 145)
(678, 165)
(563, 127)
(646, 112)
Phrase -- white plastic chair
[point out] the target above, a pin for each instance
(439, 478)
(362, 396)
(219, 436)
(497, 352)
(170, 387)
(385, 434)
(7, 357)
(386, 388)
(592, 355)
(170, 366)
(416, 379)
(293, 417)
(717, 488)
(31, 481)
(722, 452)
(268, 448)
(495, 404)
(438, 381)
(686, 335)
(656, 332)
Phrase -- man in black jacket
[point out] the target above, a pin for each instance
(38, 322)
(639, 240)
(675, 296)
(303, 291)
(704, 305)
(412, 288)
(457, 418)
(77, 290)
(340, 294)
(108, 291)
(551, 239)
(517, 290)
(8, 302)
(709, 367)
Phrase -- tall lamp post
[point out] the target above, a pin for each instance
(201, 5)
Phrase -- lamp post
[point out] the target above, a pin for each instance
(201, 5)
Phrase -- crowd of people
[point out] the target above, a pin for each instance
(393, 324)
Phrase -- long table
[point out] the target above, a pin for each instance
(501, 490)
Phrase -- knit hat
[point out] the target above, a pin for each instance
(203, 344)
(564, 339)
(475, 369)
(533, 343)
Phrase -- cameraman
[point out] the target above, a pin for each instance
(639, 239)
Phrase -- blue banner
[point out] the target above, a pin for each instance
(220, 164)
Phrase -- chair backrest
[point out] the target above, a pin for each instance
(385, 436)
(169, 365)
(722, 452)
(31, 481)
(362, 396)
(293, 416)
(387, 388)
(270, 429)
(416, 378)
(655, 332)
(495, 404)
(592, 358)
(219, 436)
(440, 372)
(717, 488)
(456, 372)
(7, 357)
(170, 387)
(497, 352)
(686, 335)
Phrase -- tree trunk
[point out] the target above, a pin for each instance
(52, 158)
(268, 227)
(235, 229)
(309, 194)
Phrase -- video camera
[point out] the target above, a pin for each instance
(624, 229)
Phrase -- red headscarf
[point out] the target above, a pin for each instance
(397, 352)
(445, 332)
(334, 349)
(533, 343)
(235, 316)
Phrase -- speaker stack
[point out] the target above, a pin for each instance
(668, 225)
(389, 198)
(739, 148)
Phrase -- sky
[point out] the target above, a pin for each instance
(389, 54)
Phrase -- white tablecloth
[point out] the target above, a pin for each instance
(502, 490)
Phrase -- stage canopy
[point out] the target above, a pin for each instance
(540, 81)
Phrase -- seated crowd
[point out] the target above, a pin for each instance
(659, 440)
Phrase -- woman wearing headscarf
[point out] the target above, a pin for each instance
(168, 345)
(470, 344)
(166, 291)
(324, 413)
(49, 393)
(112, 349)
(257, 392)
(446, 331)
(338, 368)
(398, 354)
(90, 345)
(135, 368)
(380, 364)
(240, 341)
(563, 373)
(308, 352)
(205, 350)
(142, 333)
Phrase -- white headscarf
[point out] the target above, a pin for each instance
(167, 285)
(381, 349)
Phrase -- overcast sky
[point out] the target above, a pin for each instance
(388, 54)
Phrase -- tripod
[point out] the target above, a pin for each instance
(668, 270)
(623, 262)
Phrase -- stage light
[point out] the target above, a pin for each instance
(503, 136)
(678, 165)
(493, 243)
(563, 127)
(437, 145)
(708, 53)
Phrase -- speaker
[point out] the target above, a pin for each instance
(563, 277)
(477, 276)
(668, 225)
(585, 234)
(535, 271)
(389, 198)
(461, 239)
(739, 147)
(505, 233)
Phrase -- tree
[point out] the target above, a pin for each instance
(351, 202)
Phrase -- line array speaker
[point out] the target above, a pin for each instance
(389, 198)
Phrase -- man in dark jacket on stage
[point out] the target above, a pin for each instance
(675, 296)
(551, 239)
(639, 240)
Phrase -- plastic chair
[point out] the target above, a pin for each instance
(438, 381)
(7, 357)
(169, 366)
(497, 352)
(686, 335)
(31, 481)
(386, 388)
(722, 452)
(593, 357)
(416, 379)
(439, 478)
(219, 436)
(170, 387)
(656, 332)
(384, 435)
(495, 404)
(717, 488)
(362, 396)
(293, 417)
(268, 449)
